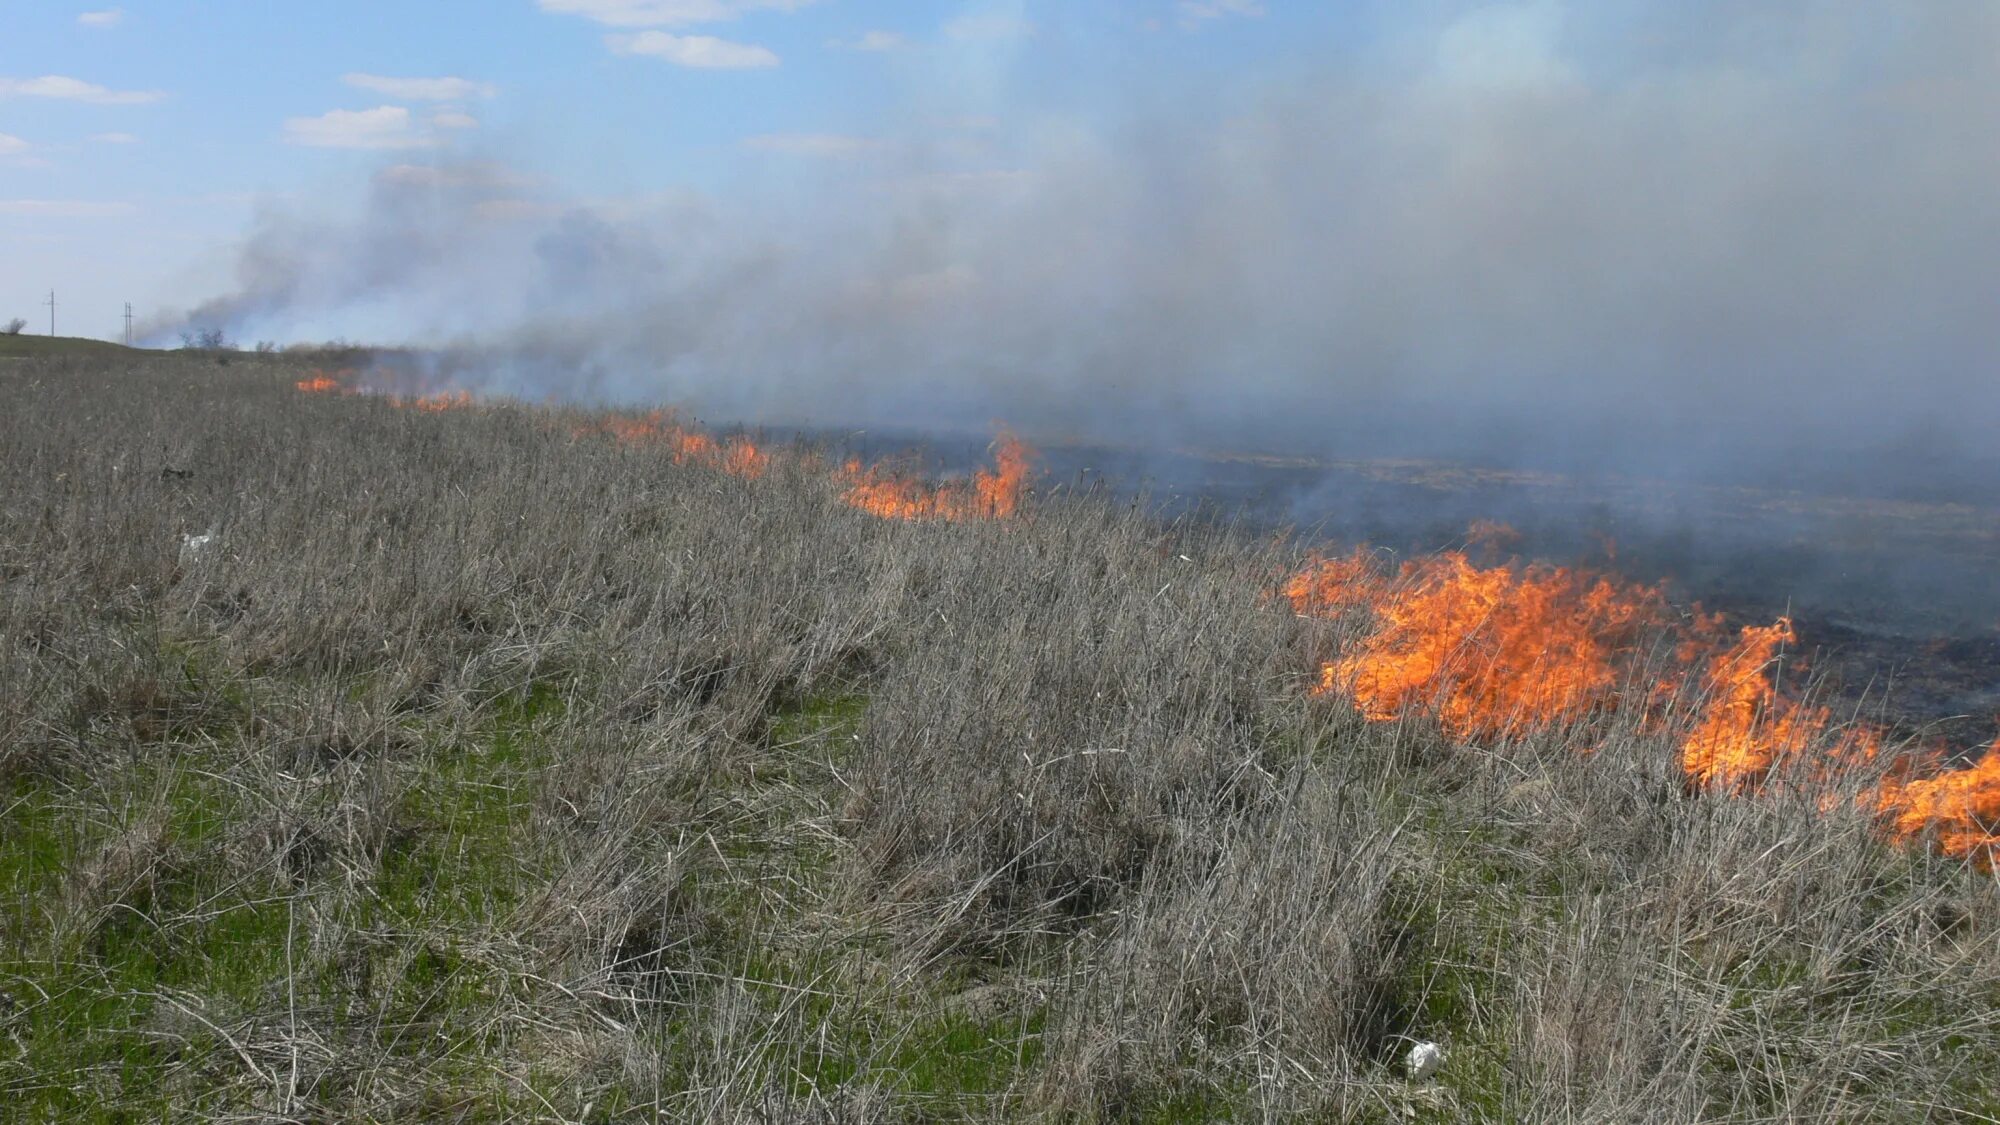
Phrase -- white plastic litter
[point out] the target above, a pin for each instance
(194, 548)
(1423, 1061)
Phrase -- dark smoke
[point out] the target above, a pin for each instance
(1689, 239)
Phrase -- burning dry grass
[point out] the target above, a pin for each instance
(892, 493)
(886, 489)
(494, 764)
(686, 445)
(1506, 651)
(1492, 651)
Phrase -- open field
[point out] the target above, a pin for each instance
(484, 768)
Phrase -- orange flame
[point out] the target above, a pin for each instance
(321, 383)
(1959, 809)
(1496, 651)
(1746, 727)
(879, 489)
(736, 456)
(1491, 651)
(990, 494)
(342, 383)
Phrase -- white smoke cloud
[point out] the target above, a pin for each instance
(1598, 230)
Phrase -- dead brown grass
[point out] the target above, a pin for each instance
(475, 771)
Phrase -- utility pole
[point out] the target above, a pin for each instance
(128, 324)
(51, 303)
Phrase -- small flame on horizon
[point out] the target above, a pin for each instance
(882, 489)
(991, 494)
(737, 456)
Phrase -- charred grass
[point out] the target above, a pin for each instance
(474, 771)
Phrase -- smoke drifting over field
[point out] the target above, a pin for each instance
(1638, 234)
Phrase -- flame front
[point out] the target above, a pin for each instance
(343, 383)
(878, 489)
(321, 383)
(736, 456)
(1490, 651)
(1747, 727)
(1501, 651)
(991, 494)
(1959, 809)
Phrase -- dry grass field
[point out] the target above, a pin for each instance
(481, 767)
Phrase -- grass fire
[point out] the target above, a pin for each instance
(799, 562)
(375, 749)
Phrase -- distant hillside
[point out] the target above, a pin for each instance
(25, 346)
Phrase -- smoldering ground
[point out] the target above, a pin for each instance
(1683, 239)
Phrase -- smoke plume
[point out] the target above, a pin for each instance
(1645, 235)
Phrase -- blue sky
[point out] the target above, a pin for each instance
(138, 140)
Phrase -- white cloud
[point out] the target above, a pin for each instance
(665, 13)
(422, 89)
(1196, 12)
(702, 51)
(71, 89)
(114, 138)
(453, 119)
(110, 17)
(385, 127)
(871, 41)
(980, 27)
(65, 208)
(812, 144)
(11, 145)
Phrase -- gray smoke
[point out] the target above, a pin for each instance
(1644, 235)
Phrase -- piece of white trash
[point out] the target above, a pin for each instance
(1423, 1060)
(195, 547)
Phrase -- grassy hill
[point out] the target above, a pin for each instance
(482, 769)
(25, 346)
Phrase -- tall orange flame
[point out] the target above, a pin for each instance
(1498, 651)
(1746, 727)
(1490, 651)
